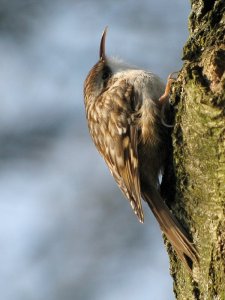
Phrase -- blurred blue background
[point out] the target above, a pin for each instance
(66, 232)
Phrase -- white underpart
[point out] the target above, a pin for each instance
(118, 65)
(149, 85)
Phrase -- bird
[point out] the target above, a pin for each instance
(124, 107)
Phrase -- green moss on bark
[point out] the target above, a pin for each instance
(199, 153)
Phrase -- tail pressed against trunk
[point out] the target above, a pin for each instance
(175, 233)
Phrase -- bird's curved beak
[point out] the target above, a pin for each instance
(102, 54)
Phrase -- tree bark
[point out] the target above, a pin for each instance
(198, 160)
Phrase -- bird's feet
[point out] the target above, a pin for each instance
(165, 97)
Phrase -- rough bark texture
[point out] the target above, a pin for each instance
(198, 98)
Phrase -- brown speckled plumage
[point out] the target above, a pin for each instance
(123, 113)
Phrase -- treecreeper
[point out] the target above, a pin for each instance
(124, 108)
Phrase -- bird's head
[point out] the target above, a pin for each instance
(98, 78)
(99, 75)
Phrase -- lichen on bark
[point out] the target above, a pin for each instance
(198, 99)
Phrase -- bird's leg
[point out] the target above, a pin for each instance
(165, 97)
(164, 100)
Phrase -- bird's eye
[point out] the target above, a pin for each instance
(106, 73)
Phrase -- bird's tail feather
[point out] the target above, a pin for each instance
(173, 230)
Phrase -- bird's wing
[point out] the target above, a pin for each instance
(120, 144)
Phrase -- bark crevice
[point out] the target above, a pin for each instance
(197, 161)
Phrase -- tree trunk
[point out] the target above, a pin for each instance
(198, 98)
